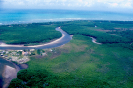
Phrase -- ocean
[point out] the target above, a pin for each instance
(35, 16)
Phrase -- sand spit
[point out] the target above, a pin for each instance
(54, 42)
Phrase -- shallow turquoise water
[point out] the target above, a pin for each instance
(33, 16)
(30, 16)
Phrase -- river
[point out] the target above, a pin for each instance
(63, 40)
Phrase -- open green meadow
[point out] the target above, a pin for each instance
(82, 63)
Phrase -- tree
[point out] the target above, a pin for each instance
(38, 51)
(20, 53)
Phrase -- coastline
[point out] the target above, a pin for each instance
(53, 42)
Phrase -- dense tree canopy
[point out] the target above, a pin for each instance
(28, 33)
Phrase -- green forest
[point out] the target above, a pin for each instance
(28, 33)
(113, 33)
(81, 63)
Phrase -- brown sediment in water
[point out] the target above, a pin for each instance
(10, 73)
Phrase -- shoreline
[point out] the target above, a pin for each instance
(53, 42)
(65, 20)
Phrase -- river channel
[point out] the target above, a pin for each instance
(61, 41)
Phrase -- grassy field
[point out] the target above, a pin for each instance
(80, 63)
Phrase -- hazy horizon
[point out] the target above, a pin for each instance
(91, 5)
(64, 10)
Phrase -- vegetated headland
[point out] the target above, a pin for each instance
(82, 63)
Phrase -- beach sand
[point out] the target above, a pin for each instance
(54, 42)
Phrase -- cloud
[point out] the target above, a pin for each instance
(113, 4)
(120, 3)
(128, 4)
(69, 4)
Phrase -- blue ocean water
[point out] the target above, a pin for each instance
(33, 16)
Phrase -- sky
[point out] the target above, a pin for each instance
(98, 5)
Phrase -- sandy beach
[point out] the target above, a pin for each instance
(54, 42)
